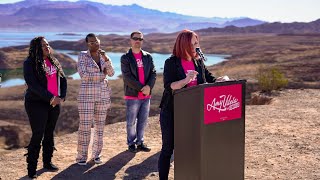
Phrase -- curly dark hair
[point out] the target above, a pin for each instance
(36, 55)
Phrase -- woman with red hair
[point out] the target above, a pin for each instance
(183, 69)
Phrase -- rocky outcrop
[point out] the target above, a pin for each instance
(13, 57)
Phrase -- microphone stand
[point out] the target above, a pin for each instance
(202, 59)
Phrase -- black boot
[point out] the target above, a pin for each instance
(32, 160)
(50, 167)
(47, 156)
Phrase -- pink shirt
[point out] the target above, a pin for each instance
(138, 57)
(52, 79)
(188, 65)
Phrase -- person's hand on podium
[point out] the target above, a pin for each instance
(223, 78)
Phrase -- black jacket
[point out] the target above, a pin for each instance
(129, 70)
(37, 84)
(173, 71)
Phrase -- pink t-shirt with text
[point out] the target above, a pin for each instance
(138, 58)
(188, 65)
(52, 80)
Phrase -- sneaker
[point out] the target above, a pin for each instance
(97, 160)
(143, 147)
(132, 148)
(50, 167)
(82, 163)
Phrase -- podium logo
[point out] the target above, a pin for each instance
(224, 103)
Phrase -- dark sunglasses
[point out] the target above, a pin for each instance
(137, 39)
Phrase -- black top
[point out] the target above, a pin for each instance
(37, 84)
(130, 74)
(173, 71)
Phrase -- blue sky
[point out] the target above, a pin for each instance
(268, 10)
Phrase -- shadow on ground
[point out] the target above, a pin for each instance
(109, 169)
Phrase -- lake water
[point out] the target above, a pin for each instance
(24, 38)
(14, 38)
(159, 60)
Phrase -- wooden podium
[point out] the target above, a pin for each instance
(209, 131)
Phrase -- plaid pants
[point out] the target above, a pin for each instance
(88, 112)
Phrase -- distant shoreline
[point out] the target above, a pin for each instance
(69, 34)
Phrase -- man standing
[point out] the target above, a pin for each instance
(139, 76)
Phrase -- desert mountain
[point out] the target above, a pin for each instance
(275, 28)
(44, 15)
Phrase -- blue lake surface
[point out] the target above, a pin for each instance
(24, 38)
(159, 60)
(18, 38)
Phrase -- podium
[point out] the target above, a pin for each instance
(209, 131)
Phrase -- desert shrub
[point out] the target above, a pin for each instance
(271, 79)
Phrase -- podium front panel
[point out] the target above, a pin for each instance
(223, 131)
(210, 146)
(187, 134)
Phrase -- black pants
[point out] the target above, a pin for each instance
(167, 130)
(43, 119)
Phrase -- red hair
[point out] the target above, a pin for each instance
(183, 47)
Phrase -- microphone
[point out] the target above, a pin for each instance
(199, 52)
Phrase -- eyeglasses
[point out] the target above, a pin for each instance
(95, 42)
(137, 39)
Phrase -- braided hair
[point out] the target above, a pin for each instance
(36, 55)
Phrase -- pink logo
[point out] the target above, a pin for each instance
(222, 103)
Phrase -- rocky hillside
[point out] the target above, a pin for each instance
(13, 57)
(275, 28)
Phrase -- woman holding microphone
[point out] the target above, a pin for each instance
(93, 99)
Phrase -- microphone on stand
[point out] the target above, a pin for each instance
(199, 52)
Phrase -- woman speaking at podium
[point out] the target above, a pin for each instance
(183, 69)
